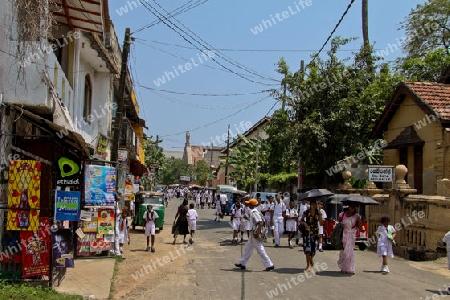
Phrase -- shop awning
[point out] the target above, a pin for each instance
(60, 133)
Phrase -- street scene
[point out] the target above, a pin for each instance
(224, 149)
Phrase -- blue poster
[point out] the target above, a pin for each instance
(100, 185)
(67, 205)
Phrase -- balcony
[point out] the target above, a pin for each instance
(128, 139)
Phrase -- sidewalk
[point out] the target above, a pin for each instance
(91, 277)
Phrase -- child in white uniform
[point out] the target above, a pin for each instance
(386, 235)
(192, 216)
(291, 222)
(150, 217)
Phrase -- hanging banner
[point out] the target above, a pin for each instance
(122, 155)
(102, 144)
(62, 241)
(105, 221)
(67, 205)
(100, 185)
(36, 250)
(24, 186)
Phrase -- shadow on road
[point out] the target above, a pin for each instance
(287, 270)
(332, 274)
(375, 272)
(439, 292)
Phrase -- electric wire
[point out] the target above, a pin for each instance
(203, 94)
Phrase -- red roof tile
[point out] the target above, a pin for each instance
(435, 95)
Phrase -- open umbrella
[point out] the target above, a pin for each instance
(315, 193)
(359, 199)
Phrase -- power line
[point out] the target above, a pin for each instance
(214, 122)
(202, 94)
(177, 30)
(332, 32)
(243, 50)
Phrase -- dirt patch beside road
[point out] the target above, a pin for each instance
(143, 271)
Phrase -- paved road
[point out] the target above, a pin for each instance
(210, 274)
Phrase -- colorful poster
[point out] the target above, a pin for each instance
(100, 185)
(24, 186)
(84, 244)
(90, 225)
(97, 245)
(69, 175)
(105, 221)
(102, 144)
(67, 205)
(63, 248)
(36, 250)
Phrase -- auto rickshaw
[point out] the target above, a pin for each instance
(144, 198)
(333, 207)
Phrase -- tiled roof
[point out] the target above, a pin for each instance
(435, 95)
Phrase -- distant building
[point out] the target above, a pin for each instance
(173, 153)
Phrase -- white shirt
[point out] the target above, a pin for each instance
(223, 199)
(255, 218)
(286, 201)
(192, 214)
(278, 209)
(268, 206)
(323, 213)
(151, 217)
(302, 208)
(446, 240)
(291, 212)
(237, 212)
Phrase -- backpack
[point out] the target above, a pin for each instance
(264, 228)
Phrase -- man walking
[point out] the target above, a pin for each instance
(255, 241)
(279, 212)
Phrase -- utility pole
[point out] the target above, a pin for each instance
(228, 154)
(300, 164)
(120, 105)
(257, 160)
(365, 23)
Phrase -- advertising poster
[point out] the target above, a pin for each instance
(63, 248)
(67, 205)
(69, 176)
(91, 222)
(100, 185)
(97, 245)
(36, 250)
(106, 221)
(102, 144)
(24, 186)
(84, 244)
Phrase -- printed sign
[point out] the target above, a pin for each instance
(67, 205)
(381, 174)
(99, 245)
(63, 248)
(100, 150)
(90, 224)
(24, 187)
(69, 175)
(36, 250)
(105, 221)
(100, 185)
(185, 178)
(122, 155)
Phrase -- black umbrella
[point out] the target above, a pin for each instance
(315, 193)
(359, 200)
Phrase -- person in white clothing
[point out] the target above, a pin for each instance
(192, 216)
(291, 222)
(223, 203)
(255, 242)
(302, 207)
(218, 209)
(124, 228)
(324, 216)
(198, 196)
(267, 211)
(386, 235)
(279, 213)
(245, 222)
(237, 213)
(446, 240)
(150, 217)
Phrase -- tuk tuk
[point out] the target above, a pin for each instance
(333, 206)
(144, 198)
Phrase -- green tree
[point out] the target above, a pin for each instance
(175, 167)
(154, 155)
(427, 68)
(334, 106)
(202, 170)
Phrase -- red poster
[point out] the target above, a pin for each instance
(36, 246)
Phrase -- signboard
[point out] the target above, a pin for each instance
(105, 221)
(381, 173)
(100, 185)
(99, 245)
(122, 155)
(24, 190)
(36, 251)
(67, 205)
(185, 178)
(63, 248)
(69, 175)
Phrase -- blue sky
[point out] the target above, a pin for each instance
(229, 27)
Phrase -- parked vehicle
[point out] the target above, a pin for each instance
(144, 198)
(333, 206)
(264, 196)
